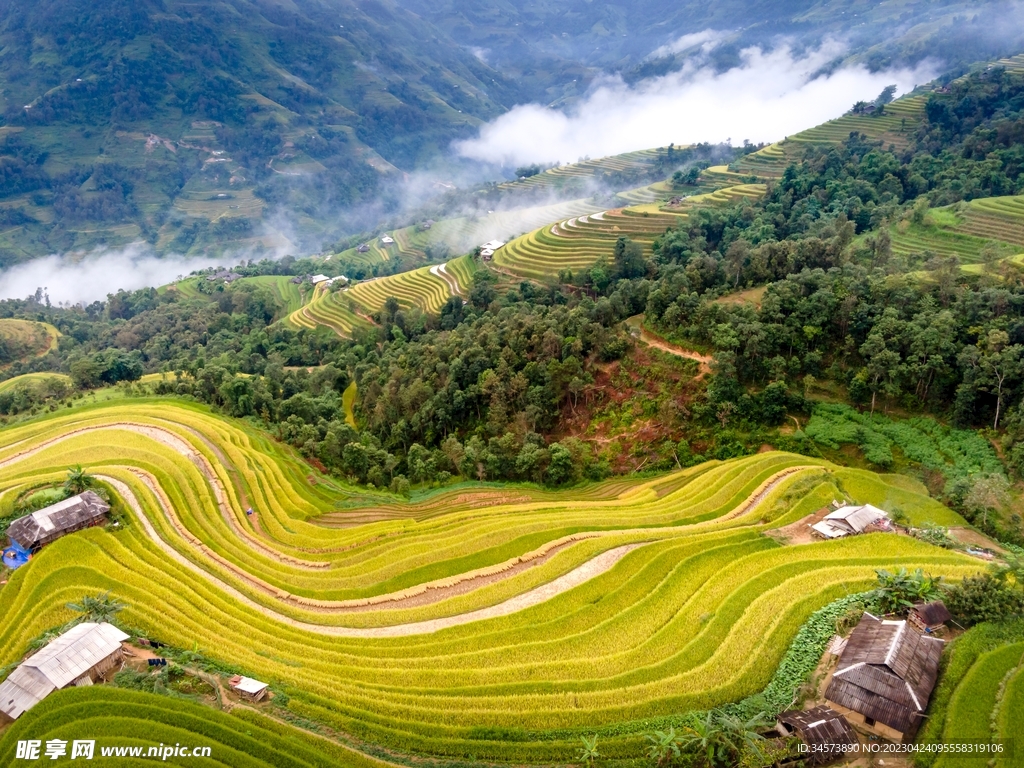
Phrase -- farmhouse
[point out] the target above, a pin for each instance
(363, 248)
(823, 730)
(491, 245)
(78, 657)
(225, 275)
(50, 523)
(317, 279)
(247, 688)
(387, 240)
(884, 677)
(929, 617)
(850, 520)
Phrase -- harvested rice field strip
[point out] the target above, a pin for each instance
(545, 614)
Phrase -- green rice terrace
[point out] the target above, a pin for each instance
(435, 627)
(579, 242)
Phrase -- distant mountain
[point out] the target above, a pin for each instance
(555, 49)
(185, 123)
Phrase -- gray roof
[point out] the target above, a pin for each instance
(56, 666)
(820, 726)
(887, 672)
(48, 522)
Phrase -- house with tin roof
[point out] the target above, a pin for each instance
(884, 677)
(78, 657)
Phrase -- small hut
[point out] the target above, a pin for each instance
(247, 688)
(50, 523)
(850, 520)
(929, 617)
(78, 657)
(823, 730)
(363, 248)
(884, 678)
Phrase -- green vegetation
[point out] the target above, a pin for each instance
(655, 623)
(128, 718)
(980, 678)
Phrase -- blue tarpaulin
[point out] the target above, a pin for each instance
(16, 556)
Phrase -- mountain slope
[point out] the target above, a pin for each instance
(128, 119)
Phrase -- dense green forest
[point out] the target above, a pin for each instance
(489, 388)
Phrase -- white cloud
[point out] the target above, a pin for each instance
(707, 40)
(77, 278)
(770, 95)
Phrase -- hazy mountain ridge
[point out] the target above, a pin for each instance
(111, 114)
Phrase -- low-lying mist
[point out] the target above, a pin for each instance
(769, 96)
(82, 279)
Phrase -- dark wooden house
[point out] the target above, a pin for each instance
(827, 734)
(885, 677)
(929, 617)
(50, 523)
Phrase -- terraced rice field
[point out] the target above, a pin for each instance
(428, 288)
(579, 242)
(290, 297)
(32, 380)
(501, 631)
(29, 337)
(586, 170)
(981, 692)
(122, 718)
(995, 218)
(893, 128)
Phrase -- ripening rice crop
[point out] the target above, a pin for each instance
(500, 630)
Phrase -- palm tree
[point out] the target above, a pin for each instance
(78, 480)
(664, 746)
(588, 752)
(99, 609)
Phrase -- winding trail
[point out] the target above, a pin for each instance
(181, 446)
(438, 270)
(421, 594)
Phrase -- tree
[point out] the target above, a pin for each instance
(99, 609)
(984, 598)
(998, 364)
(588, 752)
(78, 481)
(987, 494)
(629, 259)
(901, 590)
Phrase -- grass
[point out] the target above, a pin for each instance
(665, 631)
(114, 717)
(26, 339)
(32, 380)
(979, 690)
(348, 402)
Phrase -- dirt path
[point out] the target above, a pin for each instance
(657, 342)
(459, 584)
(182, 447)
(438, 270)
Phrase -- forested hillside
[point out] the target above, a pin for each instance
(186, 125)
(796, 295)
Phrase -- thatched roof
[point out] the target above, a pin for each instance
(886, 672)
